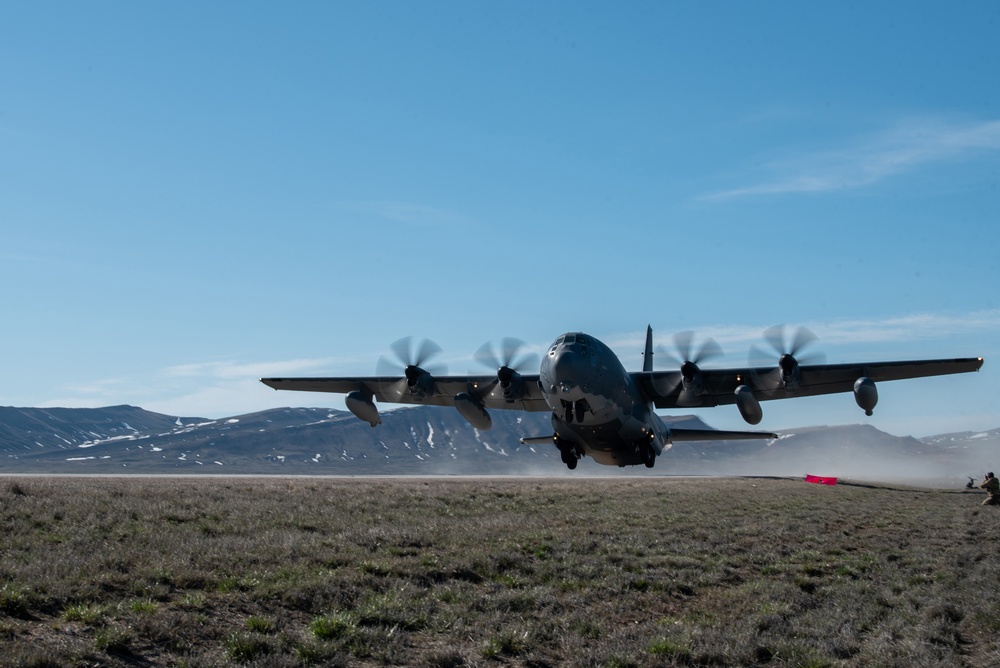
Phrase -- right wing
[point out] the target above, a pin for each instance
(427, 390)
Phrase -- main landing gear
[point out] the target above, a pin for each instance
(568, 452)
(646, 453)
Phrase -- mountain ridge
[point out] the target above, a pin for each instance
(432, 441)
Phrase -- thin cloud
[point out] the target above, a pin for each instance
(913, 327)
(907, 146)
(226, 398)
(207, 389)
(247, 369)
(847, 332)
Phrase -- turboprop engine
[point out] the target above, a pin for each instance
(689, 384)
(788, 373)
(410, 360)
(509, 360)
(419, 382)
(511, 383)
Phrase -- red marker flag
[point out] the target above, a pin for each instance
(821, 480)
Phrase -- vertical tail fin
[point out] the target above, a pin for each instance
(647, 356)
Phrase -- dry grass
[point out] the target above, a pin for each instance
(525, 572)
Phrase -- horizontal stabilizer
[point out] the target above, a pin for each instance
(717, 435)
(526, 440)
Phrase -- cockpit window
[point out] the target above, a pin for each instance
(570, 338)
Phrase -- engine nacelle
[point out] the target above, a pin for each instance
(866, 394)
(511, 383)
(419, 382)
(690, 376)
(789, 368)
(749, 406)
(472, 410)
(363, 407)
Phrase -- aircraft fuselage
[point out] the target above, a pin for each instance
(597, 408)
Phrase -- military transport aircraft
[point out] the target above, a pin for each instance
(600, 409)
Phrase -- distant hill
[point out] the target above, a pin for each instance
(432, 440)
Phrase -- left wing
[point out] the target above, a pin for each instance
(746, 386)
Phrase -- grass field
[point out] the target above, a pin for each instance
(484, 572)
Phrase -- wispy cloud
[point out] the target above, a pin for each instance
(201, 389)
(907, 146)
(227, 370)
(913, 327)
(847, 332)
(220, 388)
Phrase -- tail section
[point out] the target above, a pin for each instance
(647, 356)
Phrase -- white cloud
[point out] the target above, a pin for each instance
(245, 369)
(910, 144)
(200, 389)
(908, 328)
(224, 398)
(847, 332)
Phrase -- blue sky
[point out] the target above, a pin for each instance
(194, 195)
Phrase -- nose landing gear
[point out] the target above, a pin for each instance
(577, 408)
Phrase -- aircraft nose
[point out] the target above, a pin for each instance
(569, 370)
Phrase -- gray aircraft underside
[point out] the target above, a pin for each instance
(601, 410)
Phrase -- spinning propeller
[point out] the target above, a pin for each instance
(789, 350)
(509, 362)
(688, 364)
(410, 361)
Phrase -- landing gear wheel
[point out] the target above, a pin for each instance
(568, 453)
(650, 459)
(569, 458)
